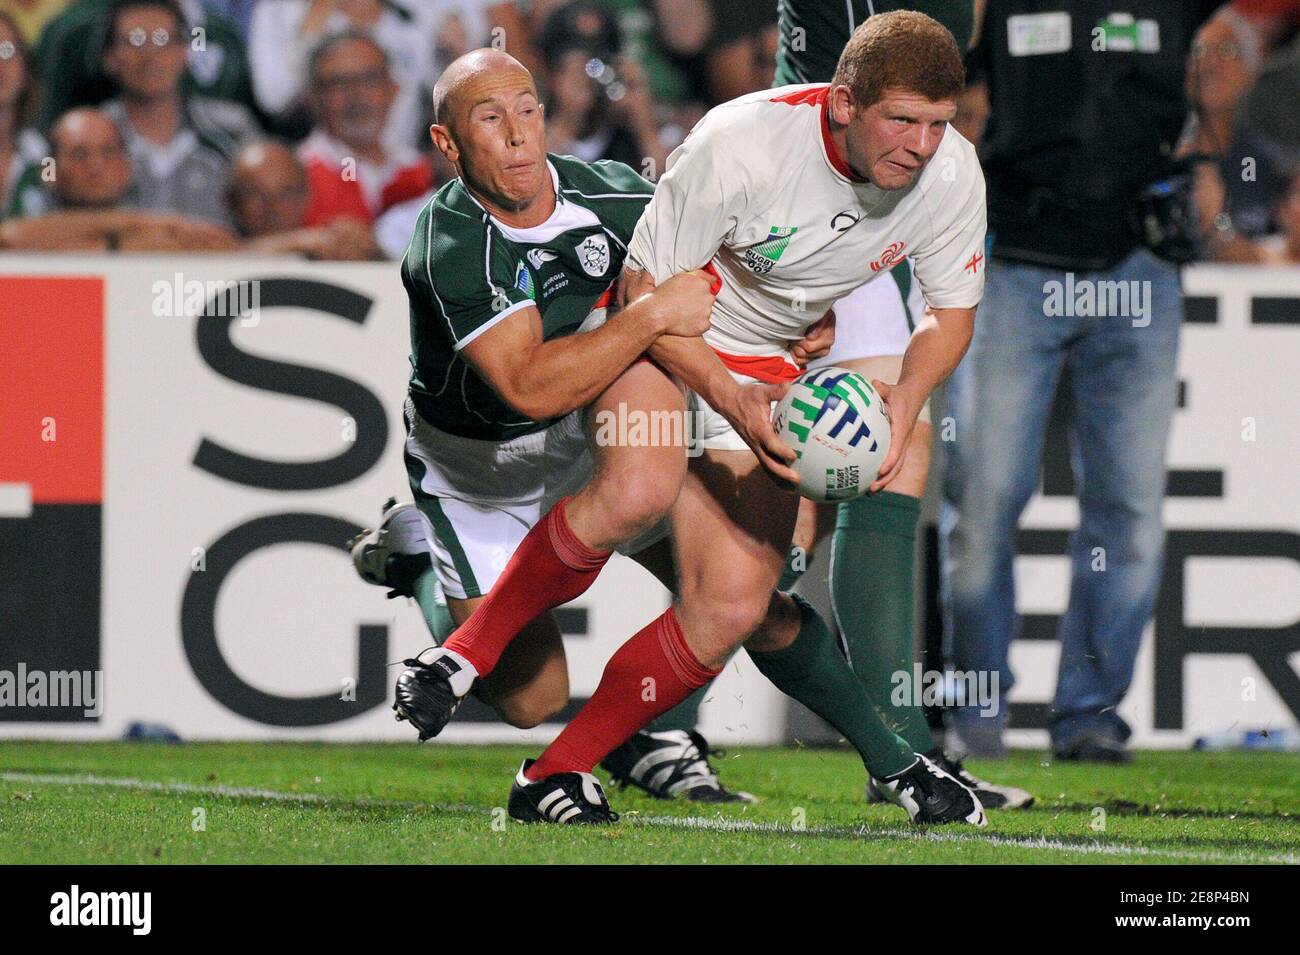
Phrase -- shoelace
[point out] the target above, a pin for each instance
(694, 763)
(955, 769)
(415, 661)
(601, 810)
(928, 779)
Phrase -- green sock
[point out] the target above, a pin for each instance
(413, 574)
(433, 606)
(872, 591)
(796, 563)
(813, 671)
(684, 716)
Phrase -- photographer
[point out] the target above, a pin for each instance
(598, 103)
(1086, 108)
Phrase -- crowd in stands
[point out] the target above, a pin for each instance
(301, 126)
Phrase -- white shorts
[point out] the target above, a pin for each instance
(710, 430)
(482, 497)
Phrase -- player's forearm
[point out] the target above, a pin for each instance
(937, 345)
(698, 367)
(565, 374)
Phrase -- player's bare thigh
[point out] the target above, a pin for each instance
(731, 532)
(531, 681)
(817, 521)
(637, 432)
(637, 476)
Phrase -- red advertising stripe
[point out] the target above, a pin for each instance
(52, 375)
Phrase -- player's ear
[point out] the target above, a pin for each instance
(841, 105)
(444, 143)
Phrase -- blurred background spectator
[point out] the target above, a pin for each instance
(1243, 150)
(1239, 176)
(90, 155)
(353, 169)
(621, 79)
(598, 102)
(70, 56)
(84, 208)
(284, 34)
(269, 196)
(180, 142)
(22, 150)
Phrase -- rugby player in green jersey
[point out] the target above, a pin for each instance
(508, 274)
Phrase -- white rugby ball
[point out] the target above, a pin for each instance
(836, 424)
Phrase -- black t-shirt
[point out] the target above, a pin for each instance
(1087, 102)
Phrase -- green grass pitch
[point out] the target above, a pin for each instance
(77, 803)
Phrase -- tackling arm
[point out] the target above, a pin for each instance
(547, 379)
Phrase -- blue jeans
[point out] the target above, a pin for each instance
(1123, 375)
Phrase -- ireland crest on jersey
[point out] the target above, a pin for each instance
(767, 253)
(593, 255)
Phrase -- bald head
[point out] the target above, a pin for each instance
(93, 168)
(488, 125)
(455, 92)
(268, 189)
(83, 125)
(266, 159)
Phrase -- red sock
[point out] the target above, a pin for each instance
(550, 567)
(620, 706)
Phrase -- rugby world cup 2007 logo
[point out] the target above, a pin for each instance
(760, 258)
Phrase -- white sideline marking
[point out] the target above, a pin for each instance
(231, 792)
(669, 822)
(918, 835)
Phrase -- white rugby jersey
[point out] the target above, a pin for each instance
(759, 194)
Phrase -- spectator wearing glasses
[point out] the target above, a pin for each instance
(70, 57)
(283, 35)
(352, 169)
(180, 144)
(1239, 177)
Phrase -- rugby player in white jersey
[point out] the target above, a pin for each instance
(792, 198)
(871, 573)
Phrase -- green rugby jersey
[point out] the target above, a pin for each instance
(464, 272)
(813, 33)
